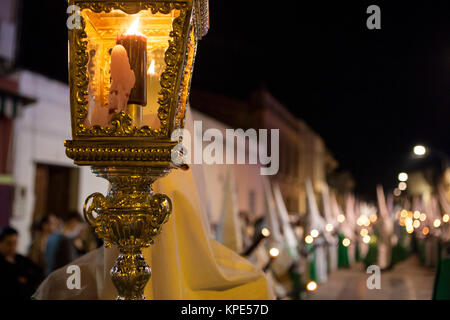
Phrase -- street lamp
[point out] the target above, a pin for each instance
(420, 150)
(403, 177)
(130, 68)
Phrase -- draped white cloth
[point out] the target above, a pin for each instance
(230, 229)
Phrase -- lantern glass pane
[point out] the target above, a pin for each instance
(104, 31)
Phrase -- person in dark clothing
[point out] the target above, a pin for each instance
(66, 246)
(19, 276)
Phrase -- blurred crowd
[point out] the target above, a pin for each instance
(56, 242)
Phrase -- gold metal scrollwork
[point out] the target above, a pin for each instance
(97, 205)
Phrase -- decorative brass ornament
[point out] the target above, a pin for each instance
(130, 216)
(130, 157)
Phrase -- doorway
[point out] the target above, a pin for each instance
(56, 190)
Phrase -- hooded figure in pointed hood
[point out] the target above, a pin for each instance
(385, 231)
(316, 224)
(230, 229)
(281, 264)
(331, 234)
(342, 230)
(441, 290)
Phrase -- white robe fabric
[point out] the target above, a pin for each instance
(331, 237)
(281, 264)
(350, 223)
(317, 222)
(230, 229)
(386, 231)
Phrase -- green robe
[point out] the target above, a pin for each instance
(342, 253)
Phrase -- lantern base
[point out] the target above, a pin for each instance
(129, 217)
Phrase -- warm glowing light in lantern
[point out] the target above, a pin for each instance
(416, 224)
(314, 233)
(311, 286)
(346, 242)
(151, 69)
(134, 28)
(402, 186)
(274, 252)
(423, 217)
(364, 232)
(341, 218)
(445, 218)
(397, 192)
(309, 239)
(373, 218)
(425, 231)
(329, 227)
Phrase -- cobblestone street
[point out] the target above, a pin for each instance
(408, 280)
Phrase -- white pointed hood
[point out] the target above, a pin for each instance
(314, 219)
(288, 231)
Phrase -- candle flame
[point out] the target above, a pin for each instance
(133, 29)
(151, 69)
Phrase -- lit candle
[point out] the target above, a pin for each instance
(135, 43)
(153, 88)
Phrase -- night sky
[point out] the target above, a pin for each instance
(371, 94)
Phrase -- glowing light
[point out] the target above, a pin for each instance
(425, 231)
(402, 186)
(366, 239)
(403, 213)
(329, 227)
(341, 218)
(397, 192)
(409, 225)
(346, 242)
(274, 252)
(445, 218)
(416, 214)
(311, 286)
(309, 239)
(363, 221)
(416, 224)
(437, 223)
(423, 217)
(265, 232)
(314, 233)
(364, 232)
(420, 150)
(373, 218)
(151, 69)
(133, 29)
(403, 176)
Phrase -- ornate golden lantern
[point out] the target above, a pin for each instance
(130, 66)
